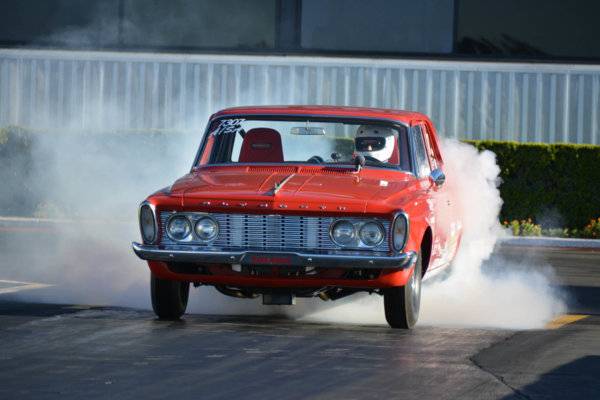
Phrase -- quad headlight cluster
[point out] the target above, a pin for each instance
(369, 233)
(180, 228)
(346, 233)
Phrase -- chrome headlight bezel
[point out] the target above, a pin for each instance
(216, 229)
(146, 209)
(335, 225)
(357, 241)
(401, 220)
(381, 231)
(177, 216)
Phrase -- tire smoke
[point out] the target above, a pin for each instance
(479, 292)
(483, 291)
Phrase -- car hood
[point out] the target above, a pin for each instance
(291, 188)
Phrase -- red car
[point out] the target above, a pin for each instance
(304, 201)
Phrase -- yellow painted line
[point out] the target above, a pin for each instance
(19, 286)
(563, 320)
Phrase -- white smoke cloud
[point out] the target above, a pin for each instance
(496, 293)
(479, 292)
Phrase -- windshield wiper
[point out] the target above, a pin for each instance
(371, 163)
(376, 163)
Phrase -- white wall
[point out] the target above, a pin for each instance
(507, 101)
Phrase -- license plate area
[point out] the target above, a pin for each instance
(265, 264)
(266, 259)
(275, 270)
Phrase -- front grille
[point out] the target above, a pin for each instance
(275, 232)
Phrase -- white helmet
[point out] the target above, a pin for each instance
(375, 141)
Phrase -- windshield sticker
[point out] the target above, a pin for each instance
(228, 126)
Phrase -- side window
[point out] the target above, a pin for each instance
(429, 148)
(421, 161)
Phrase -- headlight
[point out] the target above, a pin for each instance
(179, 228)
(400, 231)
(147, 225)
(371, 234)
(343, 233)
(206, 229)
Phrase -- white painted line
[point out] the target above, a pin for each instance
(21, 286)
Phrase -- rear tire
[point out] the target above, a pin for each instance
(402, 303)
(169, 298)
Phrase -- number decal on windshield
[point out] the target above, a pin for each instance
(228, 126)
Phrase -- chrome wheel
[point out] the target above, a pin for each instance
(416, 290)
(402, 303)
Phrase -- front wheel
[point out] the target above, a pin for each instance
(402, 303)
(169, 298)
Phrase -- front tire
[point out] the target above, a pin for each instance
(169, 298)
(402, 303)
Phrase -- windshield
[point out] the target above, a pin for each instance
(305, 141)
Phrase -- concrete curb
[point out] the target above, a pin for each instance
(550, 242)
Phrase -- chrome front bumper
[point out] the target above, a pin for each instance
(331, 259)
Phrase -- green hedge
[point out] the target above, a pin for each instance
(555, 184)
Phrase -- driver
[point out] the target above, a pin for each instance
(375, 141)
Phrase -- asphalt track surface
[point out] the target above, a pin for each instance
(83, 351)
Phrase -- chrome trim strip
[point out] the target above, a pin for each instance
(349, 260)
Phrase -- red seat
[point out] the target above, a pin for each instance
(261, 145)
(395, 156)
(400, 153)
